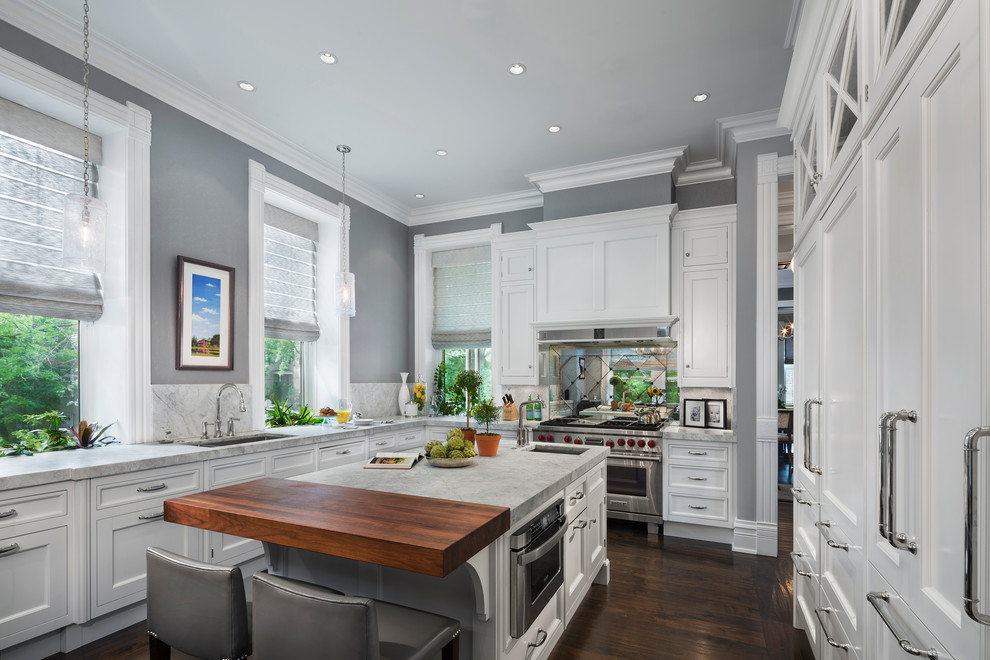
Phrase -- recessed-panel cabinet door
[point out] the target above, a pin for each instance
(34, 575)
(807, 354)
(517, 338)
(705, 337)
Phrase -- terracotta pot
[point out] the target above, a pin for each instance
(615, 405)
(469, 434)
(488, 444)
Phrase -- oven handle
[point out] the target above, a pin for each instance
(622, 460)
(528, 557)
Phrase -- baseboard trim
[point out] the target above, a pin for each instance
(697, 532)
(755, 538)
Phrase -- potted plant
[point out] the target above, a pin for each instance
(469, 381)
(617, 386)
(486, 412)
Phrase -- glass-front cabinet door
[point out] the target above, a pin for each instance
(842, 102)
(807, 173)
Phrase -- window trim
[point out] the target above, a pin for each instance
(426, 357)
(322, 385)
(124, 385)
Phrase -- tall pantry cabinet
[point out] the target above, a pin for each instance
(892, 327)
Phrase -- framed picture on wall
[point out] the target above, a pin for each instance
(693, 413)
(715, 414)
(204, 332)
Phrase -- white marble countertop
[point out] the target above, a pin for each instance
(518, 478)
(78, 464)
(677, 432)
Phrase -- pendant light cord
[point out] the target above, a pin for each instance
(86, 100)
(344, 223)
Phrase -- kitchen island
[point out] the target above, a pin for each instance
(505, 493)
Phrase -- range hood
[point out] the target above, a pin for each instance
(656, 331)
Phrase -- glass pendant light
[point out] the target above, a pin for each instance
(344, 280)
(84, 218)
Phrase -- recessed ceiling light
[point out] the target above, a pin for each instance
(420, 195)
(554, 128)
(698, 98)
(441, 152)
(245, 85)
(328, 57)
(517, 68)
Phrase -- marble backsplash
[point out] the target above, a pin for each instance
(376, 400)
(182, 409)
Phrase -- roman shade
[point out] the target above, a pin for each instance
(39, 165)
(462, 298)
(290, 276)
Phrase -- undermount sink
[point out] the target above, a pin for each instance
(558, 449)
(238, 439)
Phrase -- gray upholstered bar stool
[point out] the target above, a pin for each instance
(198, 608)
(298, 620)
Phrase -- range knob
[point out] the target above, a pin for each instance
(622, 442)
(642, 443)
(652, 444)
(541, 437)
(577, 441)
(567, 438)
(549, 438)
(609, 443)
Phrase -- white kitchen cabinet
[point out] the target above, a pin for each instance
(584, 540)
(340, 453)
(704, 292)
(126, 519)
(517, 264)
(409, 440)
(699, 482)
(35, 566)
(611, 268)
(513, 335)
(227, 548)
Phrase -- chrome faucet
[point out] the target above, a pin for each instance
(218, 427)
(521, 432)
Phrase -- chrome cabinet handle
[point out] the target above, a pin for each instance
(881, 603)
(800, 500)
(698, 478)
(541, 637)
(795, 556)
(696, 506)
(152, 516)
(806, 430)
(151, 489)
(698, 453)
(888, 479)
(381, 443)
(577, 497)
(344, 451)
(828, 638)
(970, 450)
(10, 548)
(824, 526)
(581, 524)
(8, 514)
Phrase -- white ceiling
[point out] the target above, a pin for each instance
(416, 76)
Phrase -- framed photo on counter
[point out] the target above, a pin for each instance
(715, 413)
(204, 334)
(693, 413)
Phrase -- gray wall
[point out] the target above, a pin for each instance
(702, 195)
(199, 199)
(607, 197)
(746, 298)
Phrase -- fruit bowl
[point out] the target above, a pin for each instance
(450, 462)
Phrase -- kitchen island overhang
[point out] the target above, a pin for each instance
(506, 491)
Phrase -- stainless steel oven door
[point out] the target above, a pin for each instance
(634, 488)
(536, 574)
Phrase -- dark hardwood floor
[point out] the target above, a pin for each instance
(668, 598)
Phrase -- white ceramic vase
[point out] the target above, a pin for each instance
(404, 397)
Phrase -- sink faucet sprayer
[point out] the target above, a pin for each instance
(217, 429)
(521, 432)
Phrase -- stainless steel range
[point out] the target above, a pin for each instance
(634, 466)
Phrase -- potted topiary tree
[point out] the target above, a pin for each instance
(469, 381)
(486, 412)
(617, 386)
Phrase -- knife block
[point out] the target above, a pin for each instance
(510, 413)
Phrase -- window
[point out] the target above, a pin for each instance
(461, 359)
(41, 302)
(290, 302)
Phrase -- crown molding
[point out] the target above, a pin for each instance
(473, 208)
(745, 128)
(607, 171)
(113, 59)
(703, 171)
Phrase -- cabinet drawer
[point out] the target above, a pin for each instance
(696, 454)
(706, 246)
(575, 499)
(146, 485)
(409, 440)
(348, 452)
(379, 443)
(699, 507)
(437, 433)
(32, 507)
(291, 463)
(684, 477)
(234, 470)
(34, 574)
